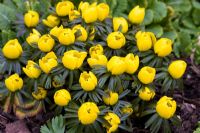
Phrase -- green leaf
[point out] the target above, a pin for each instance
(195, 16)
(148, 17)
(171, 35)
(180, 5)
(151, 120)
(156, 29)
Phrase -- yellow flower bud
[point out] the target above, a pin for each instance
(32, 69)
(83, 6)
(132, 63)
(145, 40)
(46, 43)
(103, 11)
(33, 37)
(97, 49)
(62, 97)
(116, 40)
(83, 33)
(31, 18)
(116, 65)
(136, 15)
(63, 8)
(163, 47)
(92, 34)
(166, 107)
(73, 59)
(88, 81)
(88, 113)
(66, 37)
(127, 110)
(40, 94)
(12, 49)
(51, 21)
(147, 74)
(90, 14)
(14, 82)
(120, 22)
(74, 14)
(113, 120)
(48, 62)
(97, 59)
(111, 99)
(146, 94)
(56, 31)
(177, 68)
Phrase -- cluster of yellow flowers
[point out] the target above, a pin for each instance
(73, 59)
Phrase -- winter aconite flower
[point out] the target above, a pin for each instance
(83, 6)
(136, 15)
(73, 59)
(132, 63)
(14, 82)
(92, 34)
(146, 75)
(146, 94)
(88, 113)
(46, 43)
(74, 14)
(88, 81)
(120, 23)
(113, 120)
(116, 65)
(56, 31)
(116, 40)
(63, 8)
(40, 94)
(111, 99)
(51, 21)
(31, 18)
(90, 14)
(66, 37)
(145, 40)
(48, 62)
(32, 70)
(103, 11)
(82, 33)
(177, 68)
(12, 49)
(166, 107)
(97, 49)
(33, 37)
(62, 97)
(97, 59)
(163, 47)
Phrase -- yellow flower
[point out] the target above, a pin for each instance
(83, 6)
(63, 8)
(88, 81)
(88, 113)
(14, 82)
(92, 34)
(120, 22)
(97, 59)
(147, 74)
(166, 107)
(12, 49)
(32, 69)
(111, 99)
(74, 14)
(31, 18)
(51, 21)
(177, 68)
(40, 94)
(146, 94)
(145, 40)
(56, 31)
(46, 43)
(136, 15)
(114, 122)
(66, 37)
(83, 33)
(103, 11)
(116, 65)
(62, 97)
(163, 47)
(33, 37)
(48, 62)
(90, 14)
(127, 110)
(116, 40)
(73, 59)
(97, 49)
(132, 63)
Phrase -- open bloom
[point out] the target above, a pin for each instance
(73, 59)
(40, 94)
(177, 68)
(132, 63)
(97, 59)
(146, 74)
(32, 69)
(66, 37)
(48, 62)
(88, 113)
(51, 21)
(97, 49)
(63, 8)
(120, 22)
(116, 65)
(116, 40)
(113, 120)
(163, 47)
(111, 99)
(31, 18)
(136, 15)
(56, 31)
(166, 107)
(33, 37)
(12, 49)
(146, 94)
(88, 81)
(90, 14)
(74, 14)
(62, 97)
(103, 11)
(46, 43)
(14, 82)
(81, 31)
